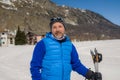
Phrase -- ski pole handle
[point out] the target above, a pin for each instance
(97, 76)
(97, 57)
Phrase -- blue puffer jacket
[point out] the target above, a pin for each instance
(54, 60)
(56, 63)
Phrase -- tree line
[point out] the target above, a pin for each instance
(20, 38)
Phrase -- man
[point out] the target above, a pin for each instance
(55, 56)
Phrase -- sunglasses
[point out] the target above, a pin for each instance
(56, 19)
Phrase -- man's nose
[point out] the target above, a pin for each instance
(57, 29)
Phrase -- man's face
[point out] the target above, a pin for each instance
(58, 29)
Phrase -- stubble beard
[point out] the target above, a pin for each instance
(58, 34)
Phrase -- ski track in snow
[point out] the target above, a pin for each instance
(15, 60)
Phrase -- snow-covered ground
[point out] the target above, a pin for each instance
(14, 60)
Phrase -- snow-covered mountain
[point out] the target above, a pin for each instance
(6, 2)
(34, 16)
(11, 2)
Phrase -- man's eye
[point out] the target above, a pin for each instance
(54, 27)
(60, 26)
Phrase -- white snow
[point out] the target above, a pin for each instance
(9, 8)
(6, 2)
(73, 22)
(14, 60)
(82, 10)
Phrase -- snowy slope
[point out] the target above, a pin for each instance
(14, 60)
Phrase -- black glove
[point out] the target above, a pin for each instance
(97, 76)
(93, 75)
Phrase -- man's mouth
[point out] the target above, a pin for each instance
(58, 34)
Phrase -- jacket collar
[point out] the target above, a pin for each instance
(50, 35)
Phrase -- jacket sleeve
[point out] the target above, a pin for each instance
(76, 63)
(36, 62)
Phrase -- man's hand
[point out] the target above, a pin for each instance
(97, 76)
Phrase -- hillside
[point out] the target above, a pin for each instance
(34, 16)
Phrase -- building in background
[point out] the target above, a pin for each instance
(7, 37)
(33, 38)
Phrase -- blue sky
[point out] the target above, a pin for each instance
(110, 9)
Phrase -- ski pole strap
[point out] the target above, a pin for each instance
(97, 57)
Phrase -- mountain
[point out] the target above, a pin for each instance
(34, 16)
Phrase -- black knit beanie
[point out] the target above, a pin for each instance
(57, 19)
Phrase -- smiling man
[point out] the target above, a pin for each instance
(54, 57)
(57, 28)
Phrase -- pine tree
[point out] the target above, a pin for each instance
(20, 38)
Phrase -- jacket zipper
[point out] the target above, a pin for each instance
(62, 62)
